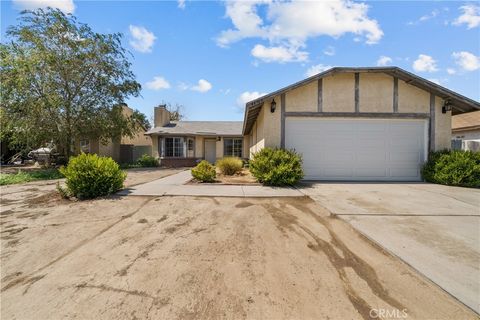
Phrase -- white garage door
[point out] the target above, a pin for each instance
(358, 149)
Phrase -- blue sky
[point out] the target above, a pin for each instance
(211, 57)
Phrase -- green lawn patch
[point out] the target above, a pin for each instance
(27, 176)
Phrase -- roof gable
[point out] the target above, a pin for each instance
(461, 104)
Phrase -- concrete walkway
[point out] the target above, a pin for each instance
(175, 185)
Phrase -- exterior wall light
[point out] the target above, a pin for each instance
(447, 106)
(273, 106)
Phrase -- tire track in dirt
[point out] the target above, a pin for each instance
(287, 221)
(25, 279)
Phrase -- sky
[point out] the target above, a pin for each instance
(213, 56)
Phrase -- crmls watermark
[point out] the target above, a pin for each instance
(388, 313)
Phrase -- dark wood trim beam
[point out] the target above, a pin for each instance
(431, 124)
(395, 94)
(320, 95)
(282, 120)
(359, 115)
(357, 92)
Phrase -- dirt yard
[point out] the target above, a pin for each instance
(198, 258)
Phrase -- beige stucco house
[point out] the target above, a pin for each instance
(357, 123)
(184, 143)
(123, 149)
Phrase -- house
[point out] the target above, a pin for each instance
(357, 123)
(466, 131)
(184, 143)
(122, 149)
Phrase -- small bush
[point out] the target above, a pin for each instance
(204, 172)
(147, 161)
(229, 165)
(90, 176)
(453, 168)
(64, 192)
(276, 167)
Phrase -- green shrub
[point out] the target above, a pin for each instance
(147, 161)
(229, 165)
(276, 167)
(204, 172)
(89, 176)
(454, 168)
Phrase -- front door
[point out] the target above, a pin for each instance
(210, 150)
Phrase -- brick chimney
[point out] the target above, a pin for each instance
(161, 116)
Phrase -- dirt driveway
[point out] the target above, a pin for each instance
(434, 228)
(200, 258)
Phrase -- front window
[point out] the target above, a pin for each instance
(233, 147)
(174, 147)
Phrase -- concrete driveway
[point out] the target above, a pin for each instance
(433, 228)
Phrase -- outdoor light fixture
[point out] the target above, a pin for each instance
(447, 106)
(273, 106)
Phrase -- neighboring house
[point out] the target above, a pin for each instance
(357, 123)
(184, 143)
(466, 131)
(122, 150)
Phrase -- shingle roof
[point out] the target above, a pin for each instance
(466, 121)
(200, 128)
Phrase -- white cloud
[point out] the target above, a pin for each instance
(466, 60)
(181, 4)
(470, 16)
(202, 86)
(142, 39)
(426, 17)
(278, 54)
(248, 96)
(329, 51)
(313, 70)
(67, 6)
(451, 71)
(158, 83)
(288, 25)
(425, 63)
(384, 61)
(434, 80)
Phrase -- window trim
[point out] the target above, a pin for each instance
(180, 147)
(233, 147)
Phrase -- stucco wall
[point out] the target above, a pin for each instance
(304, 98)
(257, 134)
(375, 92)
(339, 93)
(412, 99)
(199, 147)
(155, 147)
(266, 131)
(139, 139)
(110, 149)
(443, 126)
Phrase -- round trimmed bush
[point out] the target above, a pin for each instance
(90, 176)
(276, 167)
(204, 172)
(454, 168)
(147, 161)
(229, 165)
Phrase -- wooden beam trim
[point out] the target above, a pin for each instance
(395, 95)
(357, 92)
(282, 120)
(320, 95)
(431, 124)
(358, 115)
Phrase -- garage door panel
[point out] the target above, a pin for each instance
(358, 149)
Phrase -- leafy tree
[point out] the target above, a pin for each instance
(142, 119)
(62, 81)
